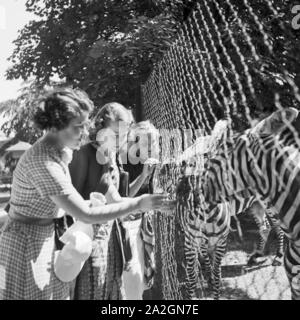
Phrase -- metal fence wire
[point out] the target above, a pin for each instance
(223, 66)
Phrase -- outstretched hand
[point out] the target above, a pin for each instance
(149, 167)
(156, 202)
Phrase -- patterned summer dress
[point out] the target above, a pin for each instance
(26, 250)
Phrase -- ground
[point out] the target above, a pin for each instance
(261, 282)
(264, 282)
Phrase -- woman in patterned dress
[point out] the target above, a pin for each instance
(41, 185)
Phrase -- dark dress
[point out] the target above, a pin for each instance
(100, 278)
(134, 171)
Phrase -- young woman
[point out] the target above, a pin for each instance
(41, 185)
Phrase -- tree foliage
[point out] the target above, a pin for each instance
(20, 111)
(256, 46)
(109, 48)
(272, 71)
(105, 47)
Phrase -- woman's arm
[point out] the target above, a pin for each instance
(75, 206)
(107, 187)
(112, 195)
(136, 185)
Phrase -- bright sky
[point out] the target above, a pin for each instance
(13, 17)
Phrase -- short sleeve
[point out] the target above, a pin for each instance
(49, 179)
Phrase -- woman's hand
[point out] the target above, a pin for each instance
(149, 167)
(156, 202)
(147, 170)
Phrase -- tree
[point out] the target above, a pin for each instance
(262, 47)
(19, 113)
(109, 48)
(272, 71)
(105, 47)
(10, 163)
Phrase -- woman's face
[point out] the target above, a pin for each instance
(72, 135)
(114, 135)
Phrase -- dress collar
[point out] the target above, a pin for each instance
(65, 153)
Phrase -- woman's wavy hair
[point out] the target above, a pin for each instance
(112, 111)
(145, 127)
(61, 106)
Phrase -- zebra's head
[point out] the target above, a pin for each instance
(276, 122)
(251, 162)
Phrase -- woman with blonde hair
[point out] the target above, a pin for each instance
(142, 157)
(41, 185)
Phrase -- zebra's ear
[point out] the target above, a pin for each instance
(276, 122)
(281, 118)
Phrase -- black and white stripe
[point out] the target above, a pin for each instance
(268, 164)
(205, 231)
(261, 214)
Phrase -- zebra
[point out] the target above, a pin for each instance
(260, 213)
(254, 162)
(207, 231)
(203, 231)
